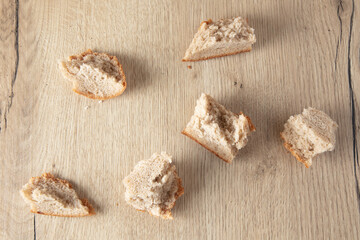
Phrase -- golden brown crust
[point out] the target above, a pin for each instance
(217, 56)
(114, 58)
(209, 21)
(180, 190)
(206, 147)
(50, 177)
(89, 206)
(288, 146)
(93, 96)
(251, 125)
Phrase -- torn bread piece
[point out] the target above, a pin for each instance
(95, 75)
(217, 129)
(154, 186)
(309, 134)
(221, 38)
(53, 196)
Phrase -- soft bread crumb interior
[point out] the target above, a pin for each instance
(153, 185)
(222, 37)
(95, 75)
(218, 125)
(310, 133)
(52, 197)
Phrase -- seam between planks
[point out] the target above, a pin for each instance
(34, 227)
(16, 46)
(353, 112)
(340, 6)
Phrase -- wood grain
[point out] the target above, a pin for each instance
(307, 54)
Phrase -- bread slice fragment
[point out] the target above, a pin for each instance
(309, 134)
(221, 38)
(53, 196)
(219, 130)
(95, 75)
(154, 186)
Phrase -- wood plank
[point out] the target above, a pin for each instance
(306, 55)
(13, 158)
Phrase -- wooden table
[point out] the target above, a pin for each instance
(306, 54)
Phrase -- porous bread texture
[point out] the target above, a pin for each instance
(53, 196)
(95, 75)
(217, 129)
(309, 134)
(221, 38)
(154, 186)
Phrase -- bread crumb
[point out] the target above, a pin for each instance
(154, 186)
(308, 134)
(235, 83)
(94, 75)
(220, 38)
(53, 196)
(101, 101)
(189, 67)
(218, 129)
(86, 107)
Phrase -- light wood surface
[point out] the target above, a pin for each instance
(307, 54)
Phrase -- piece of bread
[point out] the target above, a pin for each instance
(221, 38)
(95, 75)
(309, 134)
(219, 130)
(154, 186)
(53, 196)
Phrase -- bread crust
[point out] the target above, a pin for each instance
(121, 71)
(50, 177)
(205, 146)
(288, 146)
(209, 21)
(217, 56)
(251, 126)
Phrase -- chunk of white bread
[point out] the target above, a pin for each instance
(53, 196)
(219, 130)
(221, 38)
(95, 75)
(309, 134)
(154, 186)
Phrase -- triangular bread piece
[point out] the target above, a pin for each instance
(219, 130)
(309, 134)
(53, 196)
(221, 38)
(95, 75)
(154, 186)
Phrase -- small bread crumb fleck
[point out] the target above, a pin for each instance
(189, 67)
(101, 101)
(86, 107)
